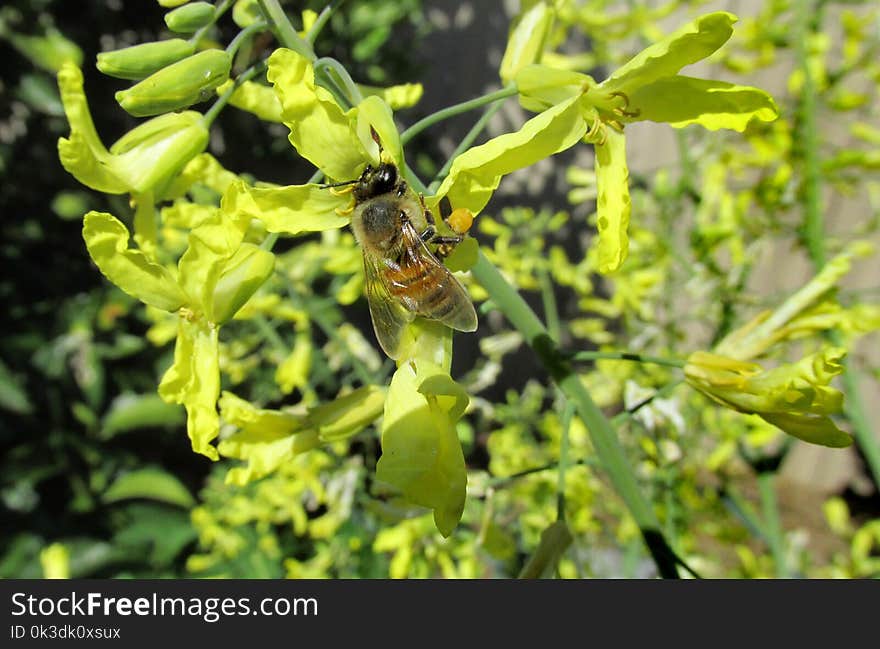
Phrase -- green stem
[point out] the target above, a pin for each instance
(567, 415)
(465, 144)
(270, 334)
(622, 417)
(284, 30)
(218, 13)
(454, 110)
(772, 525)
(602, 434)
(212, 113)
(240, 38)
(331, 69)
(548, 299)
(814, 236)
(321, 20)
(742, 510)
(627, 356)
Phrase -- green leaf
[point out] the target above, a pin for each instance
(12, 396)
(319, 129)
(691, 43)
(421, 453)
(476, 173)
(613, 202)
(194, 381)
(152, 484)
(525, 43)
(50, 51)
(107, 242)
(293, 209)
(134, 411)
(712, 104)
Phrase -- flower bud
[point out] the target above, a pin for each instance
(158, 149)
(249, 267)
(190, 17)
(140, 61)
(526, 41)
(177, 86)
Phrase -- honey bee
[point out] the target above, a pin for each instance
(403, 278)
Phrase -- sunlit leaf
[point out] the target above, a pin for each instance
(151, 484)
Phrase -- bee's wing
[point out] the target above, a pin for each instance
(457, 311)
(389, 316)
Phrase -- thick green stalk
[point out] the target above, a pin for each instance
(604, 439)
(772, 525)
(454, 110)
(814, 234)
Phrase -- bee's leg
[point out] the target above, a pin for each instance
(429, 232)
(401, 189)
(447, 241)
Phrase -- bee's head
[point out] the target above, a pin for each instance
(375, 181)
